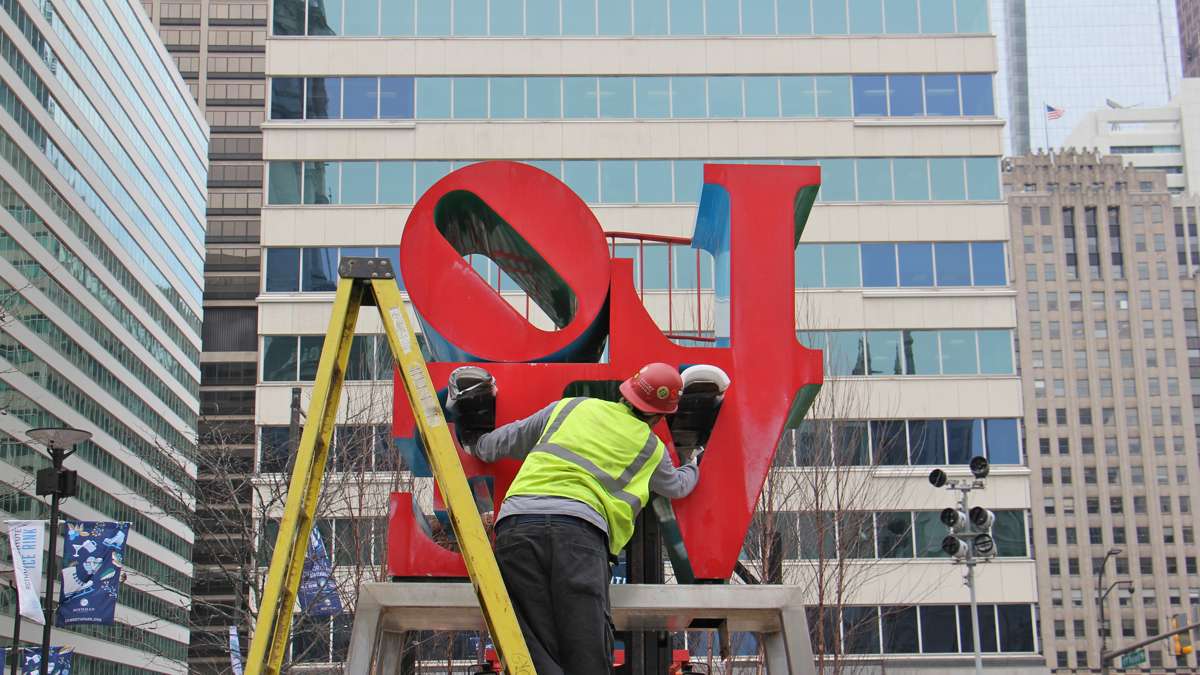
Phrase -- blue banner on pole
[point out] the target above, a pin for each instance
(318, 589)
(92, 567)
(60, 661)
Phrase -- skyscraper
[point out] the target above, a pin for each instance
(1083, 55)
(1107, 314)
(102, 190)
(903, 265)
(218, 48)
(1189, 36)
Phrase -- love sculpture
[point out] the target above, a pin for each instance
(547, 240)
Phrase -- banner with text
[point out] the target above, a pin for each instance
(318, 590)
(235, 651)
(92, 566)
(27, 539)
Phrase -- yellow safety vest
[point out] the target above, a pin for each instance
(598, 453)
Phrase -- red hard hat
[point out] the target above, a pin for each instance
(654, 389)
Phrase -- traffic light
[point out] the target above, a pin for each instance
(1181, 643)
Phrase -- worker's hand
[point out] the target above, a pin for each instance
(696, 455)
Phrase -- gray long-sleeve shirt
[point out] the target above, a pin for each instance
(516, 439)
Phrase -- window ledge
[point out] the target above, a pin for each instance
(338, 124)
(948, 121)
(956, 292)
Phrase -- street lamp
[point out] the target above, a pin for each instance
(58, 483)
(1100, 600)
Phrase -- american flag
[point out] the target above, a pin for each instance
(1053, 113)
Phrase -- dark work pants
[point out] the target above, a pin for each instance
(556, 570)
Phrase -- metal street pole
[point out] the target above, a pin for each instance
(970, 581)
(16, 643)
(1100, 597)
(56, 456)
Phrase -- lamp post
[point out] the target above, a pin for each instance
(1100, 600)
(58, 483)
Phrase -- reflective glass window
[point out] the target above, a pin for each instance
(927, 441)
(689, 177)
(724, 97)
(310, 356)
(360, 98)
(929, 532)
(688, 97)
(758, 17)
(995, 352)
(939, 629)
(395, 98)
(288, 18)
(616, 182)
(795, 17)
(921, 352)
(977, 96)
(579, 97)
(946, 179)
(433, 98)
(937, 16)
(983, 178)
(654, 181)
(688, 266)
(987, 260)
(321, 182)
(543, 97)
(987, 628)
(972, 16)
(1003, 446)
(870, 95)
(846, 352)
(797, 97)
(362, 17)
(874, 180)
(583, 177)
(283, 183)
(428, 173)
(318, 270)
(653, 97)
(470, 17)
(829, 17)
(616, 97)
(396, 183)
(470, 98)
(762, 96)
(866, 17)
(911, 178)
(397, 17)
(654, 267)
(941, 95)
(552, 167)
(506, 17)
(958, 352)
(507, 98)
(879, 265)
(541, 17)
(964, 440)
(905, 96)
(433, 17)
(722, 16)
(1009, 533)
(884, 353)
(833, 95)
(808, 266)
(837, 180)
(615, 17)
(579, 17)
(279, 358)
(894, 534)
(900, 630)
(888, 445)
(841, 266)
(325, 18)
(283, 270)
(287, 95)
(953, 264)
(900, 16)
(650, 17)
(1016, 625)
(916, 264)
(358, 183)
(687, 17)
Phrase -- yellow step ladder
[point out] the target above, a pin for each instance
(372, 281)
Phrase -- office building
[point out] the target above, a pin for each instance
(218, 48)
(1189, 36)
(370, 103)
(1106, 311)
(103, 190)
(1082, 56)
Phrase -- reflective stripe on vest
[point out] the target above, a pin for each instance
(610, 434)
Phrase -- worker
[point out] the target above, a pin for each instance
(588, 468)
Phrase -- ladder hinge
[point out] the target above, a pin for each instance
(366, 268)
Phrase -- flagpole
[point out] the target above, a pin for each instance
(1046, 124)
